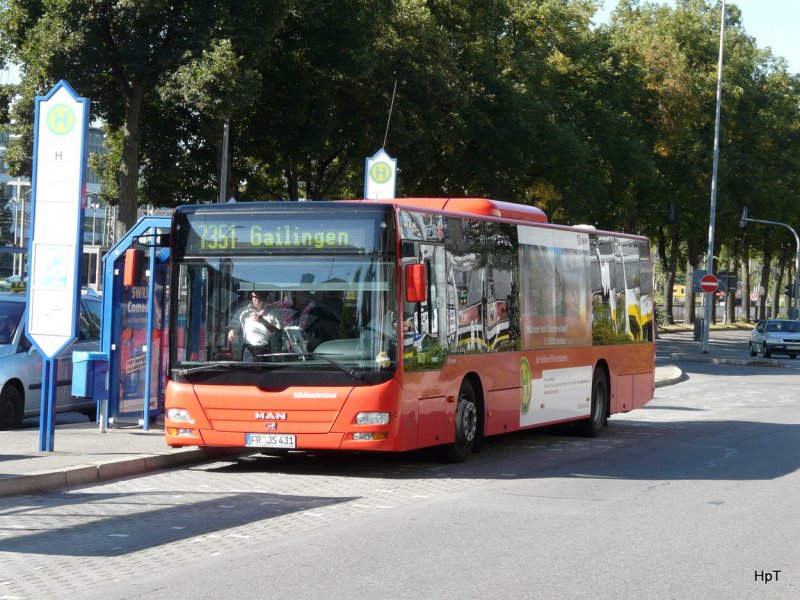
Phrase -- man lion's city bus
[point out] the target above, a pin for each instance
(401, 324)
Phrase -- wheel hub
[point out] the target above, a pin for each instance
(469, 421)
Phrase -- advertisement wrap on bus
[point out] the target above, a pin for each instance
(399, 324)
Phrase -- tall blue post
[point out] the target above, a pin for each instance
(47, 410)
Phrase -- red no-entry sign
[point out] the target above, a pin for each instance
(709, 283)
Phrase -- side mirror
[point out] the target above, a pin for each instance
(416, 290)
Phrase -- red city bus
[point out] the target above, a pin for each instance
(401, 324)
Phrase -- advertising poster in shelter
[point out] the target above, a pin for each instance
(133, 346)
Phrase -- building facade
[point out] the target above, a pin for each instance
(15, 214)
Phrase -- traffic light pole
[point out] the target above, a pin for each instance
(795, 286)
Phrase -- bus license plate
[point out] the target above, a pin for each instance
(269, 440)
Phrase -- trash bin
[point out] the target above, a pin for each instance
(698, 329)
(89, 371)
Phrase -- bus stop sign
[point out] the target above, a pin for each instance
(58, 169)
(709, 283)
(61, 127)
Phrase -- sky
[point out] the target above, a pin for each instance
(773, 23)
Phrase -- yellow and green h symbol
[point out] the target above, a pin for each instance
(380, 172)
(61, 119)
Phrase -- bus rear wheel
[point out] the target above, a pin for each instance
(466, 425)
(598, 418)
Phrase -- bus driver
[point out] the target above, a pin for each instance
(253, 326)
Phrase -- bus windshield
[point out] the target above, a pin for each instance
(274, 312)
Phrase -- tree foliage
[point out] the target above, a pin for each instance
(117, 53)
(521, 100)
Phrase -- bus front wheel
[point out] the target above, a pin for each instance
(594, 425)
(466, 425)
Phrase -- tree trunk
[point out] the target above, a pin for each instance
(669, 264)
(691, 264)
(746, 280)
(765, 273)
(785, 262)
(690, 311)
(669, 283)
(292, 184)
(730, 294)
(128, 172)
(788, 256)
(777, 290)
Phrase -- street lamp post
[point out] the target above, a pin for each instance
(94, 207)
(223, 176)
(15, 204)
(711, 222)
(19, 208)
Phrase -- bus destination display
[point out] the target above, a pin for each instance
(234, 235)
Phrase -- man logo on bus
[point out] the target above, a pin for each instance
(61, 119)
(380, 172)
(270, 416)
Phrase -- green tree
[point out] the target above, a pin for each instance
(117, 54)
(322, 101)
(196, 101)
(676, 51)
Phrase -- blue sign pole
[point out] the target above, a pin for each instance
(47, 428)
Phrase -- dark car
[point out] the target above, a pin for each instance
(775, 336)
(21, 363)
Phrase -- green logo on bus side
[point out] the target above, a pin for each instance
(525, 382)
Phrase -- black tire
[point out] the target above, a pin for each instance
(766, 352)
(466, 425)
(11, 408)
(598, 418)
(752, 350)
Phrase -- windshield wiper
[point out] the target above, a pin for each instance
(222, 366)
(357, 375)
(203, 368)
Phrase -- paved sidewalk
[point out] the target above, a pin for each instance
(82, 454)
(85, 455)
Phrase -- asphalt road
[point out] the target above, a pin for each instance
(694, 496)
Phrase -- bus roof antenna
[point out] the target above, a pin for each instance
(389, 120)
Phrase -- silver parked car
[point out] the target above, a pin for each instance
(775, 336)
(21, 363)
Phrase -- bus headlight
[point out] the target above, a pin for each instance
(372, 418)
(179, 415)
